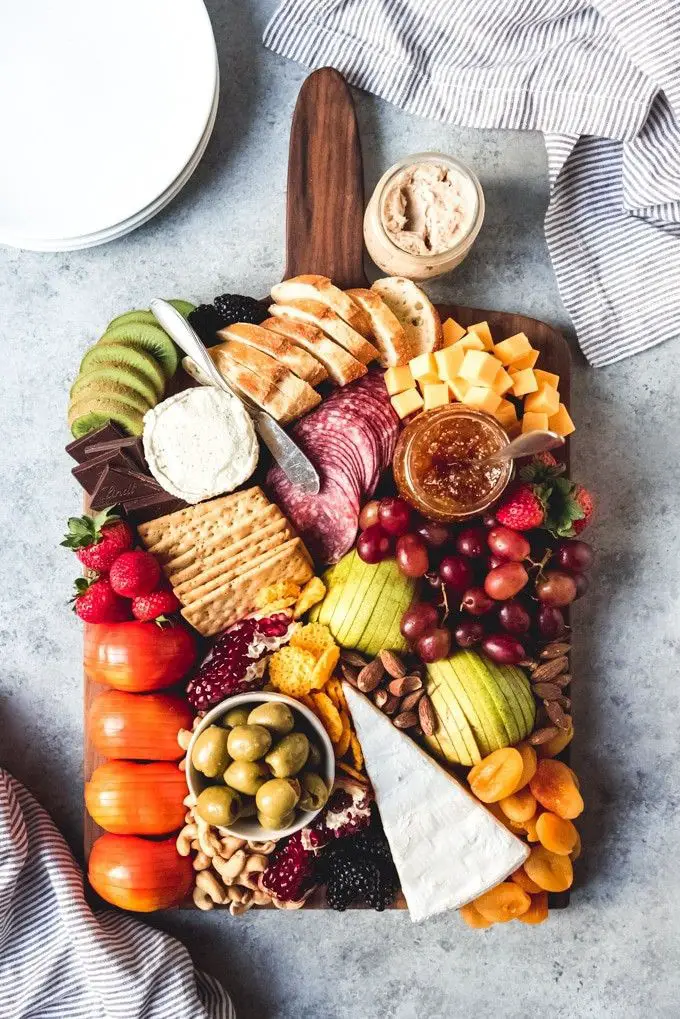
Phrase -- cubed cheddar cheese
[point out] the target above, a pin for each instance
(459, 388)
(471, 341)
(506, 413)
(502, 383)
(561, 422)
(452, 331)
(534, 422)
(435, 395)
(479, 368)
(399, 379)
(545, 400)
(512, 349)
(482, 398)
(482, 330)
(407, 402)
(428, 380)
(424, 364)
(448, 362)
(528, 361)
(549, 378)
(524, 382)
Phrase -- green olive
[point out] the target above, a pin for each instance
(289, 755)
(248, 742)
(237, 716)
(218, 805)
(277, 717)
(246, 776)
(314, 759)
(248, 808)
(277, 797)
(314, 791)
(210, 755)
(276, 823)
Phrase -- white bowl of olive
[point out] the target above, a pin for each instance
(260, 765)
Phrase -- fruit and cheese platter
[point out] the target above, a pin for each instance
(347, 694)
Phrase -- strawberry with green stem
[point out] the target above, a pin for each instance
(100, 539)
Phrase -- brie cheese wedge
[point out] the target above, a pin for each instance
(447, 847)
(200, 443)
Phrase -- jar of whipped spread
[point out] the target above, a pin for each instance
(423, 216)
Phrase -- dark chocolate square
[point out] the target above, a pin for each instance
(107, 433)
(88, 474)
(116, 486)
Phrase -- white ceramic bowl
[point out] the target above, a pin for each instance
(249, 827)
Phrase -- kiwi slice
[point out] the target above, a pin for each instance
(117, 375)
(88, 415)
(122, 354)
(149, 338)
(183, 307)
(106, 388)
(133, 316)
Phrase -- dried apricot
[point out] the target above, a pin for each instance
(473, 918)
(520, 806)
(554, 787)
(504, 902)
(557, 744)
(530, 828)
(576, 851)
(537, 911)
(521, 878)
(550, 872)
(529, 764)
(497, 775)
(556, 834)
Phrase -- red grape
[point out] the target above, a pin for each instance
(504, 582)
(468, 633)
(489, 520)
(575, 556)
(373, 544)
(418, 620)
(455, 572)
(556, 588)
(514, 618)
(508, 544)
(394, 515)
(433, 579)
(551, 622)
(582, 584)
(433, 534)
(476, 601)
(412, 555)
(495, 561)
(369, 514)
(434, 645)
(503, 649)
(471, 542)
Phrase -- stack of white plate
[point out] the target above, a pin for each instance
(105, 109)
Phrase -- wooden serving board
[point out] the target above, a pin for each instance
(324, 235)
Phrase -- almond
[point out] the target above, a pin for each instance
(544, 735)
(549, 670)
(370, 676)
(391, 705)
(547, 691)
(555, 650)
(405, 720)
(427, 716)
(380, 698)
(353, 658)
(557, 716)
(349, 673)
(392, 664)
(409, 702)
(405, 685)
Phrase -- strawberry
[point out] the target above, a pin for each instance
(585, 501)
(523, 509)
(156, 605)
(98, 540)
(95, 601)
(135, 573)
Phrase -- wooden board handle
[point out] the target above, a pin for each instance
(325, 199)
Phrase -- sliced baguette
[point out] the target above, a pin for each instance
(320, 315)
(279, 347)
(389, 334)
(320, 288)
(299, 394)
(415, 311)
(339, 364)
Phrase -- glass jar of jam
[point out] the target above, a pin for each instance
(437, 463)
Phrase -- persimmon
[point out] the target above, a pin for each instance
(473, 918)
(549, 871)
(556, 834)
(497, 775)
(139, 874)
(554, 787)
(137, 657)
(504, 902)
(520, 806)
(138, 727)
(529, 764)
(537, 911)
(521, 878)
(128, 798)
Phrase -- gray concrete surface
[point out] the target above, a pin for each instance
(616, 951)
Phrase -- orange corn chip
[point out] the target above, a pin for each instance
(308, 702)
(357, 753)
(334, 690)
(342, 746)
(312, 593)
(323, 670)
(284, 590)
(352, 772)
(291, 671)
(329, 715)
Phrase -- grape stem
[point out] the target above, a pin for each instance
(543, 562)
(445, 604)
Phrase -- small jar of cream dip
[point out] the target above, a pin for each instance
(423, 216)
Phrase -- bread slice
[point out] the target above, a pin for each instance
(320, 288)
(389, 334)
(339, 364)
(320, 315)
(298, 394)
(415, 311)
(279, 347)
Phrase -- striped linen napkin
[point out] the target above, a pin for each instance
(59, 960)
(600, 79)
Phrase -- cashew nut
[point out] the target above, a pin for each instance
(189, 800)
(184, 838)
(184, 738)
(201, 861)
(236, 894)
(182, 765)
(209, 884)
(207, 840)
(230, 869)
(202, 899)
(257, 862)
(238, 908)
(261, 898)
(230, 845)
(262, 847)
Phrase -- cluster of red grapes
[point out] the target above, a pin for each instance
(498, 593)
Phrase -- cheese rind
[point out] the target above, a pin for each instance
(447, 847)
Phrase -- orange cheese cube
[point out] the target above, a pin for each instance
(399, 379)
(482, 330)
(452, 331)
(524, 382)
(407, 402)
(549, 378)
(534, 422)
(471, 341)
(448, 362)
(506, 413)
(479, 367)
(528, 361)
(481, 398)
(502, 383)
(459, 388)
(512, 349)
(545, 400)
(435, 395)
(561, 422)
(424, 364)
(428, 380)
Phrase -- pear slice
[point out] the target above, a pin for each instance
(511, 682)
(382, 629)
(454, 723)
(482, 700)
(369, 605)
(451, 686)
(333, 578)
(525, 696)
(499, 706)
(353, 590)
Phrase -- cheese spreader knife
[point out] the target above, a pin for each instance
(296, 466)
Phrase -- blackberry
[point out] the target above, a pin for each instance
(359, 869)
(206, 321)
(237, 308)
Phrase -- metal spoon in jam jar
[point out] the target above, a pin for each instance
(527, 444)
